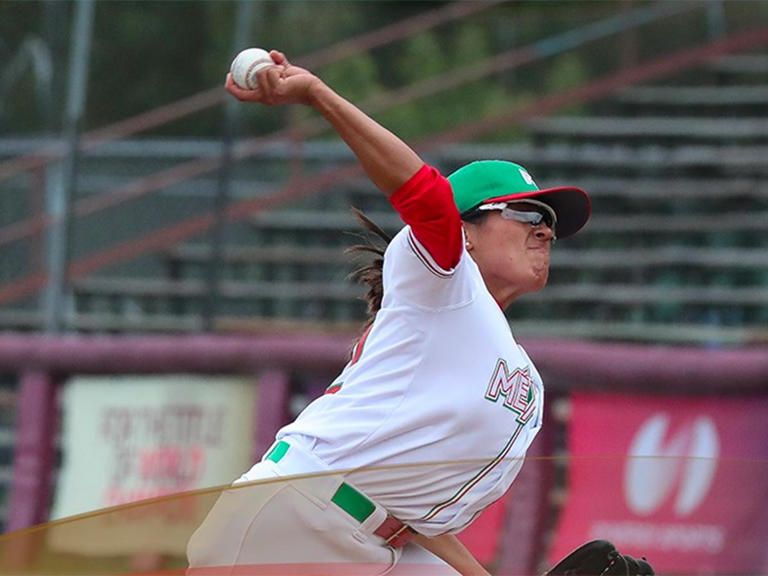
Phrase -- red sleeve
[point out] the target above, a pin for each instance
(425, 203)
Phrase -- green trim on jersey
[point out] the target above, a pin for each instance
(333, 388)
(277, 453)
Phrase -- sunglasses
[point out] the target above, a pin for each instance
(542, 214)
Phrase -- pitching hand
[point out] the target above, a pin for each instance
(282, 83)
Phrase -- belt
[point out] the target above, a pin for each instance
(394, 532)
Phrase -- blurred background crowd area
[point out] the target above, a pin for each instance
(177, 210)
(138, 202)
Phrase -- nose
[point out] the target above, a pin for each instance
(545, 233)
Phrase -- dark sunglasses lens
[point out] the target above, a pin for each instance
(539, 217)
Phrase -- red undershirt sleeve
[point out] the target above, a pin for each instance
(426, 204)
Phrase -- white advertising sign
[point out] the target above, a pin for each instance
(128, 438)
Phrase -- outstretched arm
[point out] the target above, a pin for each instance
(387, 160)
(425, 201)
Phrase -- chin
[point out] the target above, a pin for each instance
(539, 283)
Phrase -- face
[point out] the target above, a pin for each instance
(513, 256)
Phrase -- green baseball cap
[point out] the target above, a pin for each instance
(487, 181)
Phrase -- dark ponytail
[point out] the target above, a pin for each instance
(370, 274)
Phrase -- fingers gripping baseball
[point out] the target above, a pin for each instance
(279, 58)
(281, 83)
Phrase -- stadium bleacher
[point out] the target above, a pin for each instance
(680, 210)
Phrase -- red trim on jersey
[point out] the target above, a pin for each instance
(415, 246)
(425, 203)
(356, 353)
(359, 346)
(332, 389)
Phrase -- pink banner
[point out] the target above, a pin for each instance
(683, 481)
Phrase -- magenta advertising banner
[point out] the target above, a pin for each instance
(683, 481)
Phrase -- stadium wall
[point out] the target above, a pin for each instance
(42, 363)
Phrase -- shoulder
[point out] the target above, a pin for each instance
(412, 276)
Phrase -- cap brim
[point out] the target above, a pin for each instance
(571, 205)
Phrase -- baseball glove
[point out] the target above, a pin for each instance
(600, 558)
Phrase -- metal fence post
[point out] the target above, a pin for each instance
(60, 200)
(716, 23)
(243, 18)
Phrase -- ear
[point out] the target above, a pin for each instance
(468, 239)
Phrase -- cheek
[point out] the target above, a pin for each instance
(541, 259)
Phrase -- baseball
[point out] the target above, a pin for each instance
(246, 64)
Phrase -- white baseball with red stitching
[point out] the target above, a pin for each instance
(246, 64)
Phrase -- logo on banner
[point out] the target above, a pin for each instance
(674, 467)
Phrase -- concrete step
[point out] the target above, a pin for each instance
(657, 129)
(742, 64)
(731, 98)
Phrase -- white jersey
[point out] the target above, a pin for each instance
(439, 378)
